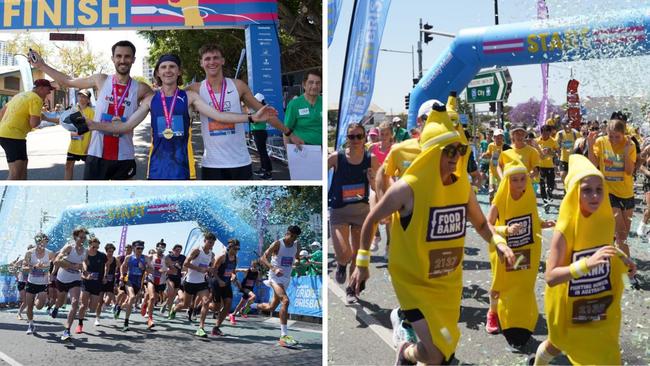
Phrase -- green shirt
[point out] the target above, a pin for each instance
(401, 134)
(306, 120)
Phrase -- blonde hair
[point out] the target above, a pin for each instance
(384, 126)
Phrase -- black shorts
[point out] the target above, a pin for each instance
(34, 288)
(622, 203)
(194, 288)
(75, 157)
(564, 166)
(239, 173)
(101, 169)
(176, 280)
(65, 287)
(108, 287)
(14, 149)
(94, 287)
(245, 293)
(157, 288)
(221, 293)
(21, 285)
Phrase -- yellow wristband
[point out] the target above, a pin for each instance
(498, 239)
(363, 258)
(501, 230)
(579, 268)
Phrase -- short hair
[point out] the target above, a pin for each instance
(109, 246)
(138, 243)
(209, 236)
(616, 125)
(123, 44)
(315, 72)
(94, 241)
(293, 229)
(210, 47)
(177, 246)
(354, 125)
(546, 128)
(78, 231)
(232, 242)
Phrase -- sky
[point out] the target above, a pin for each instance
(393, 79)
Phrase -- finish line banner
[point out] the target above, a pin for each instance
(368, 21)
(134, 14)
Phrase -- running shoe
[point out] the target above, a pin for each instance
(30, 329)
(341, 273)
(216, 332)
(54, 312)
(401, 357)
(190, 311)
(172, 314)
(350, 296)
(79, 329)
(635, 284)
(266, 176)
(402, 332)
(125, 328)
(492, 323)
(150, 323)
(287, 340)
(259, 172)
(232, 319)
(143, 309)
(66, 335)
(97, 323)
(201, 333)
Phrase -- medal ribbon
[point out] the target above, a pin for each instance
(222, 97)
(117, 104)
(170, 112)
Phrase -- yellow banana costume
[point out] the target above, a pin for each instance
(448, 116)
(517, 307)
(426, 258)
(584, 314)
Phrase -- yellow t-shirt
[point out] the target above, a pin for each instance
(15, 123)
(548, 148)
(79, 144)
(400, 157)
(493, 153)
(527, 154)
(611, 163)
(567, 142)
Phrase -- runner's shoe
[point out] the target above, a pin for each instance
(80, 329)
(341, 273)
(97, 323)
(150, 323)
(54, 312)
(172, 314)
(66, 335)
(287, 340)
(30, 329)
(350, 296)
(201, 333)
(125, 328)
(232, 319)
(216, 331)
(244, 316)
(401, 332)
(635, 284)
(401, 357)
(492, 323)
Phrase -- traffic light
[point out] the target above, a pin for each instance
(493, 107)
(406, 101)
(427, 37)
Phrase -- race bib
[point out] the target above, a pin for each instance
(444, 261)
(595, 282)
(353, 192)
(567, 145)
(590, 310)
(446, 223)
(177, 126)
(523, 263)
(36, 272)
(286, 261)
(73, 271)
(303, 111)
(221, 129)
(525, 234)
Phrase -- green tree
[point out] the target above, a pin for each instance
(22, 42)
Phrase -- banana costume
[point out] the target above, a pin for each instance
(584, 314)
(517, 307)
(448, 116)
(426, 257)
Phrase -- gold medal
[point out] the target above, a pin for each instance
(168, 133)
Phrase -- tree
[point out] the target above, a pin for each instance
(527, 112)
(22, 42)
(79, 60)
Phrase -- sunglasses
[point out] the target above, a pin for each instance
(452, 150)
(358, 136)
(139, 248)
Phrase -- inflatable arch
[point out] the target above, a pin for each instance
(209, 212)
(613, 35)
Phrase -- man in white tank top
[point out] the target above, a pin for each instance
(198, 264)
(37, 262)
(284, 253)
(225, 155)
(68, 278)
(109, 156)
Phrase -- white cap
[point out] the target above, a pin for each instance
(304, 253)
(497, 132)
(315, 245)
(397, 119)
(427, 107)
(259, 97)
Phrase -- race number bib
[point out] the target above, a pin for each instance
(353, 192)
(286, 261)
(444, 261)
(590, 310)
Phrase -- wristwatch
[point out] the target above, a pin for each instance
(288, 133)
(250, 118)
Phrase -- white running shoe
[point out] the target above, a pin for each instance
(97, 323)
(30, 329)
(641, 230)
(401, 333)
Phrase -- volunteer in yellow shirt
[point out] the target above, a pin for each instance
(493, 152)
(430, 205)
(548, 149)
(566, 138)
(512, 296)
(522, 151)
(584, 272)
(78, 148)
(17, 118)
(615, 156)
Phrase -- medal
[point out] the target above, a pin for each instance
(168, 133)
(222, 95)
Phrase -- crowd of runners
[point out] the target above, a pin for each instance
(89, 282)
(422, 184)
(225, 106)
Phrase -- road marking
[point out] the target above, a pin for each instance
(362, 313)
(9, 360)
(290, 324)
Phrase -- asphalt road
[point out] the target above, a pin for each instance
(361, 334)
(252, 341)
(47, 150)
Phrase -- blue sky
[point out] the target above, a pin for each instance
(393, 77)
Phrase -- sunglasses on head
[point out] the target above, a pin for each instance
(452, 150)
(358, 136)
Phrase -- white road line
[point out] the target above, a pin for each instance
(386, 335)
(9, 360)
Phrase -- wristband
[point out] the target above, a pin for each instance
(288, 133)
(498, 239)
(501, 230)
(363, 258)
(250, 118)
(579, 268)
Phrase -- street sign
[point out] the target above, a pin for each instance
(487, 86)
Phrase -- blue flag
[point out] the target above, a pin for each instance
(333, 10)
(366, 30)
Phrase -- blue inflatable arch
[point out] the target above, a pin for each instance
(614, 35)
(210, 213)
